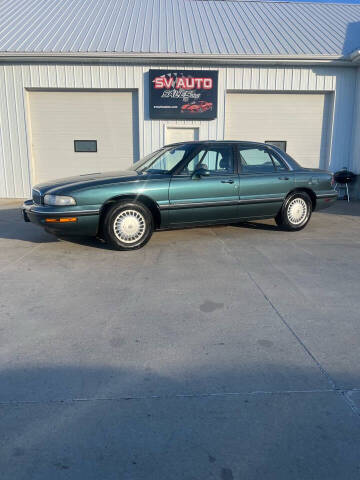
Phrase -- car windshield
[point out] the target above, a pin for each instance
(163, 160)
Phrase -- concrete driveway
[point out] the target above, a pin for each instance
(213, 353)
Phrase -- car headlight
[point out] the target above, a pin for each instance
(59, 200)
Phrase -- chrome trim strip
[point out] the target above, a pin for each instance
(57, 212)
(27, 205)
(327, 195)
(176, 206)
(261, 200)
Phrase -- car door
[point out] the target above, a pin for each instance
(206, 199)
(265, 180)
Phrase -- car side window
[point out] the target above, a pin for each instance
(168, 159)
(256, 160)
(217, 159)
(279, 165)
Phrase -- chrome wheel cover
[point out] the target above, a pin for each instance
(297, 211)
(129, 226)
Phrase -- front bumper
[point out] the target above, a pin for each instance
(86, 223)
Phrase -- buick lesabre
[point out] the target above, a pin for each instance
(181, 185)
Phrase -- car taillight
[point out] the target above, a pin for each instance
(332, 181)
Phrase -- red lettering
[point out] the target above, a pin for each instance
(190, 83)
(186, 83)
(180, 83)
(168, 82)
(163, 82)
(198, 82)
(158, 82)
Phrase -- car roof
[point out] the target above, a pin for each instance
(202, 142)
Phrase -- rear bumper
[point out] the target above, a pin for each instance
(86, 220)
(325, 200)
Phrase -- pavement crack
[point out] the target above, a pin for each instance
(292, 331)
(168, 397)
(345, 394)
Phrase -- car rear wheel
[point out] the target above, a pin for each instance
(295, 212)
(128, 225)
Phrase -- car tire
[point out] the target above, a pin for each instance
(128, 225)
(295, 212)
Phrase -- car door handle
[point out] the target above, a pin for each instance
(227, 181)
(284, 178)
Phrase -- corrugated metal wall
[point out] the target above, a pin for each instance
(355, 152)
(15, 156)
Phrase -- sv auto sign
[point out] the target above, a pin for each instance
(183, 94)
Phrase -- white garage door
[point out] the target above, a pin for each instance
(300, 120)
(58, 118)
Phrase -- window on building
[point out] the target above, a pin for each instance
(277, 143)
(85, 145)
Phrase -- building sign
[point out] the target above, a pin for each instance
(183, 94)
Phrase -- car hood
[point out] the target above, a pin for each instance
(83, 180)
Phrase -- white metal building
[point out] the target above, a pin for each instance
(77, 69)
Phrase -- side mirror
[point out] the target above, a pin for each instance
(201, 172)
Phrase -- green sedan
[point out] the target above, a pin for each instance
(181, 185)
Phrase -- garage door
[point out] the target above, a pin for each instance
(300, 120)
(59, 118)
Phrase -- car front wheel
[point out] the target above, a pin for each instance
(295, 212)
(128, 225)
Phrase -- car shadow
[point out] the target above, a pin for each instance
(13, 227)
(92, 242)
(258, 225)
